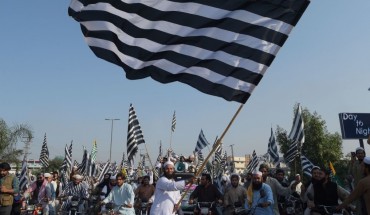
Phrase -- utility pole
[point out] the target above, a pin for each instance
(232, 156)
(111, 137)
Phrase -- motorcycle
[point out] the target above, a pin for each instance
(205, 208)
(293, 204)
(143, 209)
(326, 210)
(75, 202)
(33, 208)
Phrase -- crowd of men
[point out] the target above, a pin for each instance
(259, 191)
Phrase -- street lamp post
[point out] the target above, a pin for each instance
(111, 137)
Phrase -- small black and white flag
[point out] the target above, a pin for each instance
(44, 155)
(202, 142)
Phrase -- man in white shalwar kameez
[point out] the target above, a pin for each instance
(122, 196)
(167, 192)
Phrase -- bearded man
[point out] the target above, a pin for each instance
(167, 192)
(259, 196)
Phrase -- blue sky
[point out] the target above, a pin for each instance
(51, 81)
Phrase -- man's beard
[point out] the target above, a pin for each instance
(39, 183)
(360, 160)
(256, 186)
(169, 175)
(315, 181)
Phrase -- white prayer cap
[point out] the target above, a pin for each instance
(113, 177)
(168, 163)
(360, 149)
(47, 175)
(78, 177)
(256, 172)
(315, 167)
(367, 160)
(224, 178)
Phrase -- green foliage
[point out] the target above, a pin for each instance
(9, 136)
(55, 164)
(319, 147)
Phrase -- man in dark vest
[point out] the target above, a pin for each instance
(9, 185)
(327, 192)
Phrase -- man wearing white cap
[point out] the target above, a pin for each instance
(38, 192)
(167, 192)
(77, 189)
(260, 199)
(361, 191)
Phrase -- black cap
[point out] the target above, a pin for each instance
(5, 166)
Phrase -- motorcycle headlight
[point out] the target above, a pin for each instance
(74, 203)
(30, 207)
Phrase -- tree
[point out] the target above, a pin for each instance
(55, 164)
(319, 147)
(9, 137)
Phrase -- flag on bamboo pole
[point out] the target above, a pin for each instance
(253, 163)
(67, 162)
(94, 151)
(202, 142)
(296, 136)
(173, 125)
(272, 149)
(104, 170)
(23, 178)
(307, 165)
(44, 155)
(82, 166)
(221, 48)
(134, 135)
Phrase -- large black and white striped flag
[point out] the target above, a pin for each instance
(307, 165)
(134, 135)
(221, 48)
(272, 148)
(253, 163)
(44, 155)
(202, 142)
(23, 178)
(296, 136)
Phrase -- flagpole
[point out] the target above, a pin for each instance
(215, 146)
(147, 153)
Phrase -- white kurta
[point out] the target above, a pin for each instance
(166, 195)
(122, 195)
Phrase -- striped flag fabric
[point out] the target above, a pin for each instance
(67, 162)
(173, 125)
(253, 163)
(297, 132)
(307, 165)
(44, 155)
(200, 161)
(82, 167)
(134, 135)
(296, 136)
(202, 142)
(104, 170)
(23, 178)
(94, 151)
(292, 153)
(221, 48)
(123, 162)
(272, 149)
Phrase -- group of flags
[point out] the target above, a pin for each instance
(222, 49)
